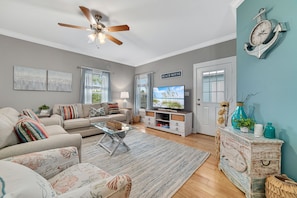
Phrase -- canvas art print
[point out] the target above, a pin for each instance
(59, 81)
(27, 78)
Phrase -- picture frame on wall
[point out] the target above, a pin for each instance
(59, 81)
(27, 78)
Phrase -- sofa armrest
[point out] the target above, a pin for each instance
(114, 186)
(48, 163)
(55, 119)
(128, 114)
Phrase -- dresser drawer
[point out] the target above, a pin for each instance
(262, 168)
(266, 151)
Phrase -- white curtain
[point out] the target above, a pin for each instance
(106, 91)
(143, 89)
(86, 86)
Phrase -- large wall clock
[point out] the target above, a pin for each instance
(264, 35)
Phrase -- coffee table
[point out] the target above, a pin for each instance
(116, 136)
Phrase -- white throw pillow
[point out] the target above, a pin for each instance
(20, 181)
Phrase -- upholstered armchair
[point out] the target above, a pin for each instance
(58, 173)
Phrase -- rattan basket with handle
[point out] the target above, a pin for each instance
(280, 186)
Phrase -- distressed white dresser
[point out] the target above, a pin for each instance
(247, 160)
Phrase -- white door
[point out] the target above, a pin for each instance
(214, 82)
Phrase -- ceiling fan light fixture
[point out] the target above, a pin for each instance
(100, 31)
(92, 37)
(101, 37)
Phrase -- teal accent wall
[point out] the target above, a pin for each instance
(274, 78)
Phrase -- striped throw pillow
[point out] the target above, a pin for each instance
(69, 112)
(31, 114)
(113, 108)
(29, 130)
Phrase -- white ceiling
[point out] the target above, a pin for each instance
(158, 28)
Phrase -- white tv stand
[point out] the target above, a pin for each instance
(176, 122)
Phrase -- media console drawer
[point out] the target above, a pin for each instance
(149, 113)
(178, 117)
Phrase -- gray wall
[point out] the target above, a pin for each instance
(17, 52)
(185, 63)
(21, 53)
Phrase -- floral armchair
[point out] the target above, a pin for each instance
(58, 173)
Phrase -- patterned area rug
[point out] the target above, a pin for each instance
(158, 167)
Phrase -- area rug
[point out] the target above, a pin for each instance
(158, 167)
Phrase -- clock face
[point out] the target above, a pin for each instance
(261, 33)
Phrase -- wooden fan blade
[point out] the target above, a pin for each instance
(88, 14)
(113, 39)
(73, 26)
(118, 28)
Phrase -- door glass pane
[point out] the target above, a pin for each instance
(213, 88)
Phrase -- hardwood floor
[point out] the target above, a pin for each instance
(208, 180)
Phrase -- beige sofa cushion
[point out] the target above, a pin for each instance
(55, 130)
(76, 123)
(11, 114)
(8, 119)
(99, 119)
(118, 117)
(7, 135)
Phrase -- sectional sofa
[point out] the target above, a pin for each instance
(78, 118)
(11, 144)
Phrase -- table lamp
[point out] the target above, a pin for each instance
(125, 96)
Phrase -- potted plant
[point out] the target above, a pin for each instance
(245, 124)
(44, 109)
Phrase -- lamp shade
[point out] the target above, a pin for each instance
(124, 95)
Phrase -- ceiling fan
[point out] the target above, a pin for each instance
(100, 31)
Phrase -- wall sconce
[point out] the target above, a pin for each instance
(124, 95)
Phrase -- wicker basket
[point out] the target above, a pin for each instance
(136, 119)
(280, 186)
(114, 125)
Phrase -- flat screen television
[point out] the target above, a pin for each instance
(169, 97)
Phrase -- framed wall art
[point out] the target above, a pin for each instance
(59, 81)
(27, 78)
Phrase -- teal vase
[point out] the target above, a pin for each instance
(238, 113)
(269, 131)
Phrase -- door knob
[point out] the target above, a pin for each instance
(198, 104)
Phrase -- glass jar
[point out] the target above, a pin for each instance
(269, 131)
(237, 114)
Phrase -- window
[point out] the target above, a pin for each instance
(95, 86)
(213, 86)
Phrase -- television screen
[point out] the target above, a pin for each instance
(169, 97)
